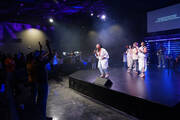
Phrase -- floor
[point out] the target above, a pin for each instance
(66, 104)
(160, 85)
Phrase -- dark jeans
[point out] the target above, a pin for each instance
(2, 77)
(10, 81)
(125, 64)
(161, 60)
(39, 96)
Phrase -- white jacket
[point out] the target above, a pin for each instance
(103, 62)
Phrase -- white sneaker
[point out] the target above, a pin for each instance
(142, 75)
(101, 76)
(107, 76)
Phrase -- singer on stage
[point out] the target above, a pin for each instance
(102, 56)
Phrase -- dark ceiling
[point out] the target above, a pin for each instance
(42, 9)
(141, 5)
(32, 10)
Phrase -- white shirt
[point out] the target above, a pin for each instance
(129, 53)
(141, 54)
(135, 53)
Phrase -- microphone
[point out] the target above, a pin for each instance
(95, 51)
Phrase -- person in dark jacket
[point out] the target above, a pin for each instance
(40, 79)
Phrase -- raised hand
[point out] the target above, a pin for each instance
(47, 43)
(40, 45)
(49, 48)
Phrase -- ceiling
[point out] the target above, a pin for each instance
(142, 5)
(32, 10)
(42, 9)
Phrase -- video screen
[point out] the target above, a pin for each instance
(164, 19)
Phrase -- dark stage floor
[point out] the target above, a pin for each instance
(160, 85)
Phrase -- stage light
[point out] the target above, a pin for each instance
(92, 14)
(64, 53)
(51, 20)
(103, 17)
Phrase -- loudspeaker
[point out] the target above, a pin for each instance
(103, 82)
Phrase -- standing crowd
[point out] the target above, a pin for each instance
(28, 70)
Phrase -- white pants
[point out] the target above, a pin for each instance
(142, 64)
(102, 71)
(129, 61)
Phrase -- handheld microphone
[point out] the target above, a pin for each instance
(95, 51)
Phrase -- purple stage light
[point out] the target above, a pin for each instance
(78, 7)
(10, 31)
(92, 14)
(38, 26)
(70, 11)
(27, 26)
(16, 26)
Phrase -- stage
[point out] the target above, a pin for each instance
(160, 87)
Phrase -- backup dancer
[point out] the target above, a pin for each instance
(129, 56)
(142, 59)
(135, 58)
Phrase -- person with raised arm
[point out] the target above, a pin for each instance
(40, 79)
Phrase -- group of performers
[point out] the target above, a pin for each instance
(137, 58)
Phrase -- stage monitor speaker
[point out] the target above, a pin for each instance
(103, 82)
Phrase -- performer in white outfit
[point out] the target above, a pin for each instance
(135, 58)
(102, 56)
(129, 56)
(142, 59)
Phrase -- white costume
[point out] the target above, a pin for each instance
(134, 64)
(102, 62)
(142, 59)
(129, 57)
(135, 53)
